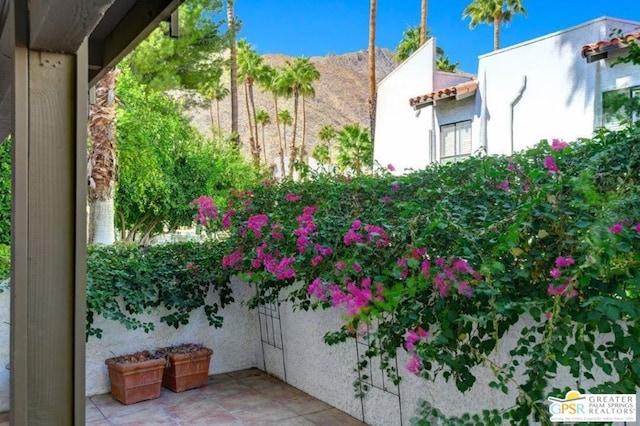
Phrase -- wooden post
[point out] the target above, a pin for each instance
(49, 238)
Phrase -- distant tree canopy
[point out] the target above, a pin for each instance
(190, 61)
(164, 163)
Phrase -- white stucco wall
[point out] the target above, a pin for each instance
(234, 345)
(401, 137)
(562, 90)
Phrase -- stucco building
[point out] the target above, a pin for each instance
(554, 86)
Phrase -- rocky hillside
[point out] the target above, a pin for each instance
(341, 98)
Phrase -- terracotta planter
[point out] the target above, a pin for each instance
(133, 382)
(187, 371)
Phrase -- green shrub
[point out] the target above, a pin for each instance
(5, 261)
(126, 280)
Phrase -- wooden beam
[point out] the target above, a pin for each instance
(143, 18)
(62, 26)
(48, 242)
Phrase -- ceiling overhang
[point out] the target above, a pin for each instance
(113, 28)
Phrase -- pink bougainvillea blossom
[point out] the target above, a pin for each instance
(207, 210)
(256, 223)
(395, 186)
(391, 168)
(226, 220)
(465, 289)
(558, 145)
(316, 260)
(414, 365)
(563, 262)
(504, 185)
(562, 290)
(616, 228)
(555, 273)
(231, 260)
(318, 289)
(550, 165)
(356, 267)
(547, 315)
(386, 199)
(292, 198)
(340, 265)
(637, 228)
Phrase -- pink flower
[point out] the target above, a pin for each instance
(504, 186)
(555, 273)
(316, 260)
(226, 220)
(317, 289)
(426, 265)
(550, 165)
(355, 225)
(379, 292)
(207, 210)
(386, 199)
(395, 186)
(562, 262)
(547, 315)
(414, 365)
(465, 289)
(511, 167)
(340, 266)
(638, 228)
(231, 259)
(558, 145)
(256, 223)
(616, 228)
(357, 267)
(391, 168)
(292, 198)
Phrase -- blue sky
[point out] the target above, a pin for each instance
(311, 28)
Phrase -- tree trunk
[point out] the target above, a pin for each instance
(264, 146)
(423, 22)
(372, 67)
(303, 143)
(233, 70)
(293, 153)
(101, 222)
(218, 115)
(255, 154)
(211, 117)
(496, 32)
(255, 123)
(280, 144)
(102, 161)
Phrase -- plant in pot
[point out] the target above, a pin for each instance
(187, 366)
(135, 377)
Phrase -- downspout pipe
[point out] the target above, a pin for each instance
(512, 110)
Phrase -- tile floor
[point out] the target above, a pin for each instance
(247, 397)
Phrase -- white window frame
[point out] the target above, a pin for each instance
(460, 152)
(614, 121)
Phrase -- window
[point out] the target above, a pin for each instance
(455, 141)
(620, 107)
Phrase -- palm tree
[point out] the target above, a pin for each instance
(285, 118)
(355, 149)
(411, 42)
(102, 161)
(311, 74)
(493, 12)
(216, 92)
(263, 118)
(233, 67)
(272, 80)
(423, 21)
(297, 78)
(322, 152)
(249, 69)
(373, 5)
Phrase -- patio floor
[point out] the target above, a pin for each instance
(247, 397)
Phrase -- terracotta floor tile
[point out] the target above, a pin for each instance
(150, 416)
(222, 389)
(251, 372)
(305, 405)
(282, 392)
(260, 382)
(169, 398)
(91, 412)
(216, 378)
(191, 411)
(264, 414)
(332, 417)
(242, 400)
(111, 408)
(296, 421)
(103, 422)
(222, 419)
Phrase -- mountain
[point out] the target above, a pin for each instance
(341, 98)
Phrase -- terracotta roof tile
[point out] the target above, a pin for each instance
(598, 50)
(458, 91)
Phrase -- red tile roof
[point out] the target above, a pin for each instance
(594, 51)
(458, 91)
